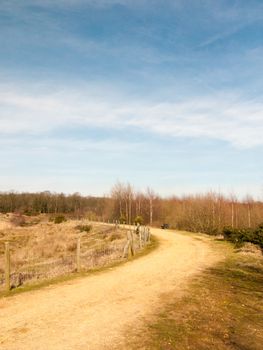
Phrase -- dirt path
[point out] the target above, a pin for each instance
(94, 312)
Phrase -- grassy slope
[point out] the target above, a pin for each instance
(223, 309)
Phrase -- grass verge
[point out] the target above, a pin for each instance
(222, 310)
(67, 278)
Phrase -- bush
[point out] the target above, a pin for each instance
(114, 237)
(59, 219)
(123, 219)
(138, 220)
(240, 236)
(33, 222)
(72, 247)
(18, 220)
(29, 212)
(258, 236)
(84, 228)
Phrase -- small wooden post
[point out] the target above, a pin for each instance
(78, 255)
(144, 235)
(139, 232)
(140, 238)
(7, 266)
(132, 243)
(149, 234)
(126, 249)
(129, 244)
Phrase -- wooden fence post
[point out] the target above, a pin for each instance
(132, 243)
(78, 255)
(126, 249)
(149, 234)
(7, 266)
(140, 238)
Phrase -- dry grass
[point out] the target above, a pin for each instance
(222, 310)
(42, 249)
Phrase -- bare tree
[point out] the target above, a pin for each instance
(117, 193)
(150, 194)
(233, 210)
(249, 204)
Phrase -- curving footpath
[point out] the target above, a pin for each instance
(95, 312)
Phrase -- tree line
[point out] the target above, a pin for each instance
(209, 213)
(52, 203)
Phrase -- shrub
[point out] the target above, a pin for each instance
(114, 237)
(33, 222)
(240, 236)
(29, 212)
(59, 219)
(123, 219)
(138, 220)
(258, 236)
(84, 228)
(18, 220)
(72, 247)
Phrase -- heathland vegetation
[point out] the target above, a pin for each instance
(45, 247)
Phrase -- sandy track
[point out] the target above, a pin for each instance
(94, 312)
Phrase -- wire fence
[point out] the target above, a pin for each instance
(89, 253)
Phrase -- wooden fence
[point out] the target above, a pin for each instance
(84, 259)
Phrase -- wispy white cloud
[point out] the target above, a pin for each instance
(223, 117)
(72, 3)
(21, 8)
(70, 145)
(235, 12)
(224, 34)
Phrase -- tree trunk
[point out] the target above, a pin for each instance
(232, 215)
(151, 211)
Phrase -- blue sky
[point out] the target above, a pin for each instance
(166, 94)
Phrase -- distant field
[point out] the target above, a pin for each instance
(41, 249)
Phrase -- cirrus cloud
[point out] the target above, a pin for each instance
(222, 117)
